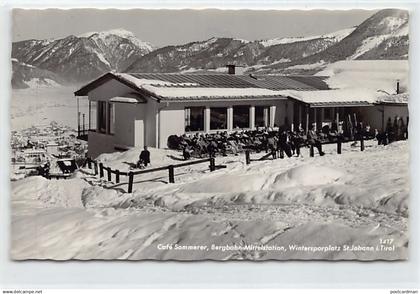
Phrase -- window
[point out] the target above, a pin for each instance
(240, 117)
(194, 119)
(111, 118)
(218, 118)
(262, 116)
(93, 110)
(328, 114)
(101, 116)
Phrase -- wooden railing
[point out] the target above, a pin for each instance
(100, 169)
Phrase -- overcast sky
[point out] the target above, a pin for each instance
(173, 27)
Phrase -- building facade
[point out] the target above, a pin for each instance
(128, 110)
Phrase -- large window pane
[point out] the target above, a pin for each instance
(241, 117)
(92, 115)
(218, 118)
(102, 116)
(328, 114)
(194, 119)
(262, 116)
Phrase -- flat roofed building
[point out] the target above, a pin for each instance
(137, 109)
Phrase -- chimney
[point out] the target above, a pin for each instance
(231, 69)
(398, 86)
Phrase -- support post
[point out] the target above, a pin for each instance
(83, 124)
(109, 174)
(247, 157)
(212, 164)
(171, 174)
(117, 176)
(339, 146)
(229, 123)
(252, 117)
(101, 170)
(78, 119)
(337, 117)
(362, 143)
(130, 182)
(89, 120)
(95, 166)
(307, 119)
(300, 115)
(311, 151)
(207, 119)
(272, 116)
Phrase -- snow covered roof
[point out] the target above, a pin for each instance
(394, 99)
(345, 97)
(350, 83)
(175, 87)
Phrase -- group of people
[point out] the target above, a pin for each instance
(394, 131)
(281, 141)
(276, 141)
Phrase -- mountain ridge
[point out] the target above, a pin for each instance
(78, 59)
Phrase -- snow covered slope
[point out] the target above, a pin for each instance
(333, 37)
(25, 75)
(382, 36)
(318, 203)
(379, 75)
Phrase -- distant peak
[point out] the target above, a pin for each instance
(119, 32)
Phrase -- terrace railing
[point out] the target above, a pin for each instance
(100, 169)
(339, 143)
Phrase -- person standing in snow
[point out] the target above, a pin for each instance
(272, 145)
(314, 140)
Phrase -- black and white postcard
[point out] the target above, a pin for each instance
(210, 134)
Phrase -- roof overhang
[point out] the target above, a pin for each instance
(131, 98)
(218, 98)
(392, 103)
(84, 91)
(321, 104)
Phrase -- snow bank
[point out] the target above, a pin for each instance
(49, 193)
(308, 175)
(123, 160)
(349, 180)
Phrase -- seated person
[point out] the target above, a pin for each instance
(144, 158)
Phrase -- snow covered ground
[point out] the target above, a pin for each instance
(40, 105)
(333, 207)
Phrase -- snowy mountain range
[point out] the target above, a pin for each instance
(385, 35)
(78, 59)
(215, 53)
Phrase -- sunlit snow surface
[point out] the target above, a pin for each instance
(356, 198)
